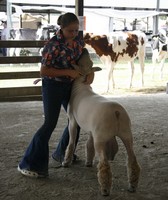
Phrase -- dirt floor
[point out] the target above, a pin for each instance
(148, 112)
(147, 107)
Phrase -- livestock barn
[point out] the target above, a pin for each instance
(147, 109)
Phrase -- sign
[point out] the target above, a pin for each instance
(82, 23)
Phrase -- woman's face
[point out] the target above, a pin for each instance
(71, 31)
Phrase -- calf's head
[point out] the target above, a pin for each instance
(85, 64)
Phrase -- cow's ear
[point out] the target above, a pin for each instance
(96, 38)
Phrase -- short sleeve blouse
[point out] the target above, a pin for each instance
(56, 53)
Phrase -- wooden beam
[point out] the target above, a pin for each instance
(21, 98)
(19, 91)
(22, 43)
(20, 94)
(19, 75)
(20, 59)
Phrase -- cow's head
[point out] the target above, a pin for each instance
(88, 38)
(98, 42)
(91, 39)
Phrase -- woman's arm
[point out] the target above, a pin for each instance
(53, 72)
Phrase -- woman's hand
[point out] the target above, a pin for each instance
(74, 74)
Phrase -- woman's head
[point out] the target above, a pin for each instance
(69, 24)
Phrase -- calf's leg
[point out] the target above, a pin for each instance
(71, 145)
(104, 171)
(133, 168)
(111, 148)
(90, 151)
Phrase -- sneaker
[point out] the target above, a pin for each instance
(31, 174)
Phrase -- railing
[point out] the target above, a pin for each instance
(20, 93)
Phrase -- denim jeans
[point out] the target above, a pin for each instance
(4, 51)
(59, 153)
(55, 94)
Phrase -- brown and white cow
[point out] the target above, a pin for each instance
(119, 46)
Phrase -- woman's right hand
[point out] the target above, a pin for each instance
(74, 74)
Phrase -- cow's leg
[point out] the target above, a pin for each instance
(133, 168)
(154, 61)
(132, 72)
(104, 171)
(90, 151)
(162, 67)
(17, 51)
(12, 51)
(142, 66)
(71, 145)
(110, 76)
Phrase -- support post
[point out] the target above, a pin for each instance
(156, 18)
(79, 4)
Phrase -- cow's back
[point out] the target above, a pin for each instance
(127, 45)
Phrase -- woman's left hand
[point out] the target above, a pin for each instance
(89, 78)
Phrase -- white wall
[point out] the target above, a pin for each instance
(97, 23)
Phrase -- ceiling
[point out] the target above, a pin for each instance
(117, 4)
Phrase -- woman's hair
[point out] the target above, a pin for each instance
(66, 19)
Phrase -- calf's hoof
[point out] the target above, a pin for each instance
(105, 192)
(88, 164)
(131, 189)
(65, 164)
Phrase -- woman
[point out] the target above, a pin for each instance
(4, 37)
(57, 75)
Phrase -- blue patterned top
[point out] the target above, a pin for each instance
(56, 53)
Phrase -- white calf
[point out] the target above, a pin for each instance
(103, 120)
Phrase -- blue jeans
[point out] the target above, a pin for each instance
(4, 51)
(55, 94)
(59, 153)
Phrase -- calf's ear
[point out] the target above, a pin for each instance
(96, 69)
(76, 67)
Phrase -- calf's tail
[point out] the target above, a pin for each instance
(117, 114)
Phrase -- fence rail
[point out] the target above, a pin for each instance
(20, 93)
(20, 59)
(22, 43)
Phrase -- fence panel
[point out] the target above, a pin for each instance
(20, 93)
